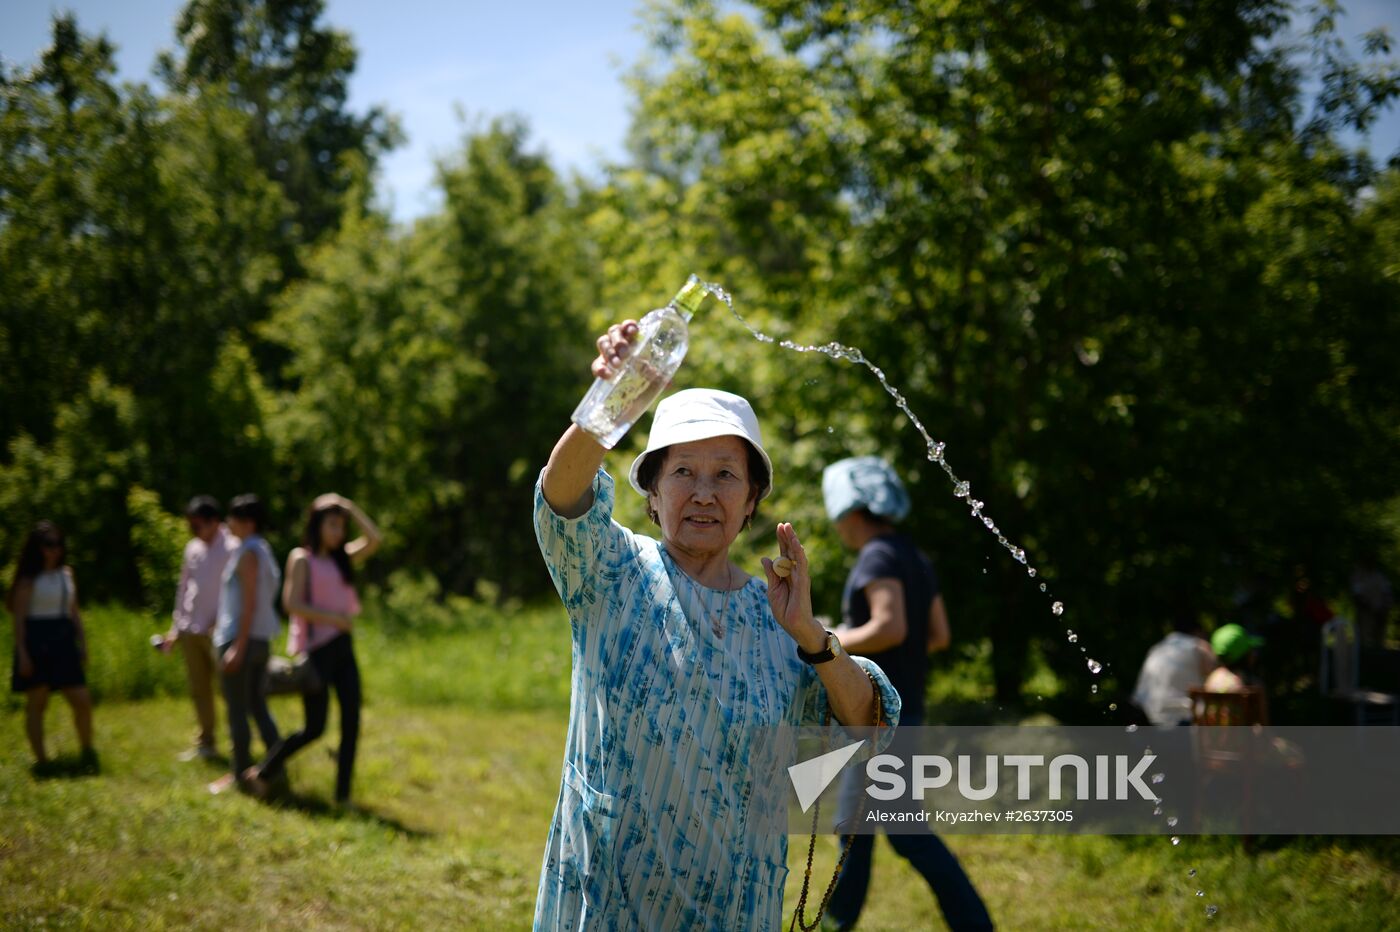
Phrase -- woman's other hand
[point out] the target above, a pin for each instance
(790, 597)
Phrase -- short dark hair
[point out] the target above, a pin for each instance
(650, 471)
(878, 520)
(249, 508)
(204, 506)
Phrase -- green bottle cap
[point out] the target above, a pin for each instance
(692, 294)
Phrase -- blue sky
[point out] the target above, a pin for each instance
(556, 62)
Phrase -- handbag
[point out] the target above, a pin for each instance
(288, 675)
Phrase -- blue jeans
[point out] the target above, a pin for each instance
(243, 694)
(957, 898)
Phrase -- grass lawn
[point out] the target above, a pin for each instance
(458, 774)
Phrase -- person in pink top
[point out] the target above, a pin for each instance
(319, 593)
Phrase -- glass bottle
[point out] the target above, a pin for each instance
(613, 405)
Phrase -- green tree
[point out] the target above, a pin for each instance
(137, 244)
(373, 372)
(80, 480)
(281, 63)
(509, 256)
(430, 372)
(1101, 250)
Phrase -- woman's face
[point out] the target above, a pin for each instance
(702, 494)
(52, 547)
(240, 527)
(332, 530)
(848, 527)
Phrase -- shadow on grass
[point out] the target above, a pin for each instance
(319, 808)
(66, 767)
(1384, 848)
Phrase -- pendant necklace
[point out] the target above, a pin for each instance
(717, 625)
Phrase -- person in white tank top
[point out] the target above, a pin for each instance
(50, 644)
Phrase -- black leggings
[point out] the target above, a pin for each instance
(335, 661)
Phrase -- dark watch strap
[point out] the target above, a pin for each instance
(821, 656)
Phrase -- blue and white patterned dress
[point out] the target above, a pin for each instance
(652, 826)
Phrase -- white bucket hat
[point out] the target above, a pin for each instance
(699, 414)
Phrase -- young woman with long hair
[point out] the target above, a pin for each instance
(319, 593)
(50, 644)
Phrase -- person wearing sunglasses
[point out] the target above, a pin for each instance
(50, 644)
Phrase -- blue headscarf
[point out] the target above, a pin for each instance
(864, 482)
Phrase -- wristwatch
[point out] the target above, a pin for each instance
(830, 652)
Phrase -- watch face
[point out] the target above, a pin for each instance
(833, 644)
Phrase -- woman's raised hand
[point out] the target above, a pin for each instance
(790, 594)
(613, 348)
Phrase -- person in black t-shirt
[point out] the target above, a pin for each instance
(893, 613)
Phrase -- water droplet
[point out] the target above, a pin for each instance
(1058, 608)
(961, 489)
(1211, 910)
(1156, 810)
(1094, 665)
(1200, 893)
(1042, 587)
(1073, 638)
(1171, 821)
(1030, 571)
(1158, 777)
(830, 429)
(1175, 840)
(1094, 688)
(1191, 872)
(1113, 707)
(1130, 729)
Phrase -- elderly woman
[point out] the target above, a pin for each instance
(679, 658)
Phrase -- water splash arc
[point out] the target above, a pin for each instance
(936, 454)
(935, 449)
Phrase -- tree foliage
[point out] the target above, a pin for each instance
(1115, 254)
(1101, 249)
(290, 72)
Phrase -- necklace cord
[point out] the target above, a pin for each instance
(799, 917)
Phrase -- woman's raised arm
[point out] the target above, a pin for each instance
(567, 483)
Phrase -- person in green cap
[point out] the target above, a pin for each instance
(1234, 646)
